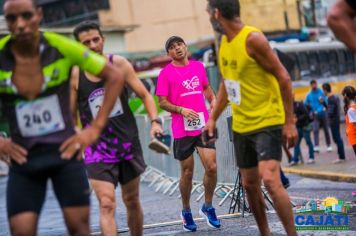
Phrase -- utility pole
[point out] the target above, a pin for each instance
(285, 14)
(299, 13)
(312, 4)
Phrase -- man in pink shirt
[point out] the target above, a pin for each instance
(182, 87)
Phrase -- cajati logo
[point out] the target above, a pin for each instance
(327, 214)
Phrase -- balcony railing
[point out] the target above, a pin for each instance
(73, 20)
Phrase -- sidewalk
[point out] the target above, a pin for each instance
(323, 167)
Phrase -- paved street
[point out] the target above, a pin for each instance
(159, 208)
(323, 167)
(162, 211)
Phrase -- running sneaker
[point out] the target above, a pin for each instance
(293, 163)
(188, 221)
(161, 144)
(210, 216)
(329, 149)
(311, 161)
(337, 161)
(316, 149)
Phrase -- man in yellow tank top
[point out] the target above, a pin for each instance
(259, 90)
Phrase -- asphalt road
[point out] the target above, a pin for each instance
(162, 211)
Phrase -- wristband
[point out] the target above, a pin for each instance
(180, 110)
(157, 120)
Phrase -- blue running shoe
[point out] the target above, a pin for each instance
(188, 222)
(210, 216)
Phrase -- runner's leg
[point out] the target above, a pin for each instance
(186, 178)
(105, 193)
(71, 186)
(269, 171)
(131, 198)
(208, 159)
(251, 181)
(77, 220)
(25, 196)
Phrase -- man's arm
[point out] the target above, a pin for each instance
(137, 86)
(168, 106)
(341, 20)
(258, 48)
(74, 81)
(221, 102)
(209, 94)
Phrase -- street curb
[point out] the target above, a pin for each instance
(322, 175)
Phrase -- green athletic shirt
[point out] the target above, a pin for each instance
(46, 119)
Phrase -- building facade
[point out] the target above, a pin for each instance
(159, 19)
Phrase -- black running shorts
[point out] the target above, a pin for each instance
(27, 183)
(184, 147)
(121, 172)
(264, 144)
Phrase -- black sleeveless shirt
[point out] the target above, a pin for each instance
(119, 140)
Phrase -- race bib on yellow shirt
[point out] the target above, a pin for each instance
(39, 117)
(233, 91)
(196, 124)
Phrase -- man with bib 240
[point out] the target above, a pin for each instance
(34, 90)
(181, 87)
(260, 93)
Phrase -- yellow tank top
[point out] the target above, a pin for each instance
(254, 93)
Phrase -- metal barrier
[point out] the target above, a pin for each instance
(163, 171)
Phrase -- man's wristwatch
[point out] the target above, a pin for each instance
(158, 120)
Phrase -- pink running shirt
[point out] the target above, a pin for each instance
(184, 86)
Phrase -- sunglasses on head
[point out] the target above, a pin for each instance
(27, 15)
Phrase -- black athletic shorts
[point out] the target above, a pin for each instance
(264, 144)
(121, 172)
(184, 147)
(27, 183)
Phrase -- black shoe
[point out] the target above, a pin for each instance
(161, 144)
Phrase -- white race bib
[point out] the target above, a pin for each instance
(197, 124)
(96, 99)
(233, 91)
(39, 117)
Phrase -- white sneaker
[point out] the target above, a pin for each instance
(330, 149)
(311, 161)
(293, 163)
(337, 161)
(316, 149)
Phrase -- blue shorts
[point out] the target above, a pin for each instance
(27, 184)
